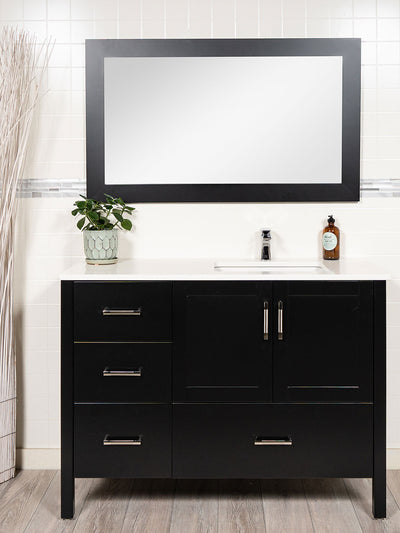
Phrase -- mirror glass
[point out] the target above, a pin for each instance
(231, 120)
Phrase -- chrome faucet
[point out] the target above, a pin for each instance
(266, 245)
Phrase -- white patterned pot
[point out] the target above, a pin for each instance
(101, 247)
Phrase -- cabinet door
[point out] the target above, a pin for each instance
(325, 349)
(221, 350)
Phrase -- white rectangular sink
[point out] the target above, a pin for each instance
(273, 267)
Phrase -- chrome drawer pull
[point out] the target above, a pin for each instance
(122, 373)
(260, 441)
(122, 312)
(265, 320)
(135, 441)
(280, 320)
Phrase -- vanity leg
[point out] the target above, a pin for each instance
(379, 437)
(67, 496)
(379, 496)
(67, 400)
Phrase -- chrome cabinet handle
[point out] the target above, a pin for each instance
(280, 320)
(265, 320)
(122, 373)
(134, 441)
(122, 312)
(261, 441)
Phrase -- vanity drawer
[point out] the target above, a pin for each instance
(122, 441)
(267, 441)
(122, 372)
(122, 311)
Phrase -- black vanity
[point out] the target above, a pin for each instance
(178, 370)
(222, 378)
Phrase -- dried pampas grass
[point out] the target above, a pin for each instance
(20, 78)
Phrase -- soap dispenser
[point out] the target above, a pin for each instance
(331, 240)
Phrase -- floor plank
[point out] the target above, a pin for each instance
(285, 506)
(360, 493)
(195, 507)
(30, 503)
(4, 486)
(21, 498)
(393, 482)
(105, 506)
(240, 507)
(47, 516)
(150, 506)
(330, 507)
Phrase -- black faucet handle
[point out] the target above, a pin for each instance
(266, 253)
(266, 233)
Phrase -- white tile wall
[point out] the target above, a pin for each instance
(47, 241)
(69, 22)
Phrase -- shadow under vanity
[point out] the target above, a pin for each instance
(216, 375)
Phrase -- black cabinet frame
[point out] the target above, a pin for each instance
(378, 405)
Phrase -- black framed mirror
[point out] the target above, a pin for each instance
(223, 120)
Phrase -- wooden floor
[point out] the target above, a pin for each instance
(31, 503)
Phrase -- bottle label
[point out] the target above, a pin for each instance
(329, 240)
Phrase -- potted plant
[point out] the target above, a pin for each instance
(100, 222)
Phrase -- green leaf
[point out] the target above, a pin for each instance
(96, 213)
(80, 223)
(126, 224)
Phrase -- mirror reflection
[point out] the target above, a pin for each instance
(231, 120)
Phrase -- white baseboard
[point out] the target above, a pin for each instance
(38, 458)
(393, 458)
(49, 458)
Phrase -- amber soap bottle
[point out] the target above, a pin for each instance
(331, 240)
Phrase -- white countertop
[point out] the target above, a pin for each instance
(203, 269)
